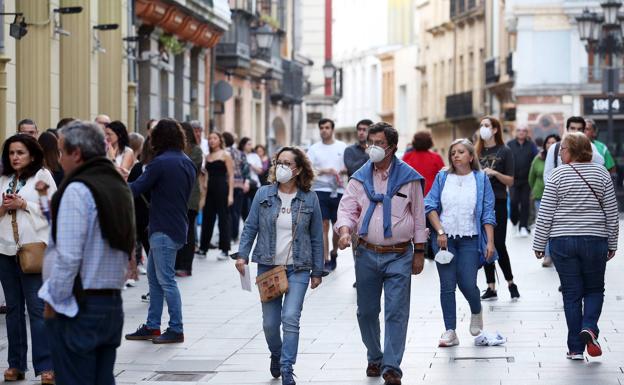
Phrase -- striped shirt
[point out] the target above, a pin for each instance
(570, 208)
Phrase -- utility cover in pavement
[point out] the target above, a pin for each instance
(483, 359)
(182, 377)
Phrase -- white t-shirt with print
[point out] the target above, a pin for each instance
(327, 156)
(284, 230)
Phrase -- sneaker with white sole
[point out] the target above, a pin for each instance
(476, 323)
(130, 282)
(591, 340)
(142, 270)
(575, 356)
(223, 256)
(524, 233)
(448, 339)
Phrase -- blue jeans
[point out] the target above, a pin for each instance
(162, 283)
(20, 292)
(391, 272)
(581, 262)
(462, 272)
(84, 347)
(287, 314)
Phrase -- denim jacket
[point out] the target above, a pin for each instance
(307, 248)
(484, 214)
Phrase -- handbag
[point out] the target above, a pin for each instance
(274, 283)
(29, 255)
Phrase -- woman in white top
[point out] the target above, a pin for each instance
(460, 207)
(22, 161)
(255, 170)
(119, 150)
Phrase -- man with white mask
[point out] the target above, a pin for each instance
(383, 204)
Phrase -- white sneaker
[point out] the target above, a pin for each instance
(524, 233)
(142, 270)
(130, 282)
(575, 356)
(449, 338)
(476, 323)
(223, 256)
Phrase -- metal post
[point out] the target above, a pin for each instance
(610, 121)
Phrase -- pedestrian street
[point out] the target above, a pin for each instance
(224, 343)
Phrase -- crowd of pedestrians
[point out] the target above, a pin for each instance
(106, 205)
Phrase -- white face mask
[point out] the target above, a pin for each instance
(486, 132)
(283, 173)
(376, 153)
(443, 257)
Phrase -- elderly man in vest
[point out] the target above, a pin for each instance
(384, 205)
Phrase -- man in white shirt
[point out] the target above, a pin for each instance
(573, 124)
(327, 158)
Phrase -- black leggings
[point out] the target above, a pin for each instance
(184, 257)
(500, 233)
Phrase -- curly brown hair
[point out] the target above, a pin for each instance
(168, 135)
(422, 141)
(305, 178)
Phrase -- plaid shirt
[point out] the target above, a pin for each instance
(79, 247)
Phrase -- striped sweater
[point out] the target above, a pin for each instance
(569, 208)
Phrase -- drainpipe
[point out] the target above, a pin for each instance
(328, 43)
(3, 79)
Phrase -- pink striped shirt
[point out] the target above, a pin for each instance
(408, 212)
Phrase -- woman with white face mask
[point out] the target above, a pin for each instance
(285, 221)
(497, 162)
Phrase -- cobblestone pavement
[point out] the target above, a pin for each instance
(225, 345)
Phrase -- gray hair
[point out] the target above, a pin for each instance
(593, 123)
(474, 165)
(86, 136)
(195, 124)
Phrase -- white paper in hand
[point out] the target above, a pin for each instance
(245, 279)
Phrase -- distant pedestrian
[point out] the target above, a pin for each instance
(591, 131)
(285, 224)
(383, 204)
(266, 163)
(327, 158)
(497, 162)
(219, 197)
(355, 155)
(184, 258)
(241, 184)
(28, 127)
(579, 218)
(460, 207)
(90, 244)
(427, 163)
(51, 156)
(524, 151)
(553, 157)
(102, 121)
(254, 164)
(23, 222)
(536, 181)
(169, 177)
(135, 141)
(119, 150)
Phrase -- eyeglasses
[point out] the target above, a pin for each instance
(562, 148)
(286, 163)
(380, 143)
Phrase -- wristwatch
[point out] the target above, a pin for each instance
(440, 232)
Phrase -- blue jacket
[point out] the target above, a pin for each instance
(307, 248)
(169, 177)
(484, 214)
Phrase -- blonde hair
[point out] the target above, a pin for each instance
(578, 146)
(474, 165)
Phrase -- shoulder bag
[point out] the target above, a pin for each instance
(274, 283)
(29, 255)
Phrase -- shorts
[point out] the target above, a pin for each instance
(329, 206)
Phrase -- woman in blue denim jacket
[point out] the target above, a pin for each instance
(460, 207)
(285, 220)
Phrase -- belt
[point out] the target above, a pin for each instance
(103, 292)
(399, 248)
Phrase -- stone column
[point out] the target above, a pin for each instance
(112, 67)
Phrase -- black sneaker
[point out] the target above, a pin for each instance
(591, 341)
(489, 295)
(275, 366)
(143, 333)
(169, 337)
(288, 377)
(333, 261)
(145, 297)
(513, 290)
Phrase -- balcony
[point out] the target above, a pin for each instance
(595, 75)
(492, 72)
(459, 106)
(270, 58)
(289, 89)
(466, 8)
(233, 51)
(248, 6)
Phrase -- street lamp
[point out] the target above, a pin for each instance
(264, 40)
(264, 36)
(328, 70)
(603, 34)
